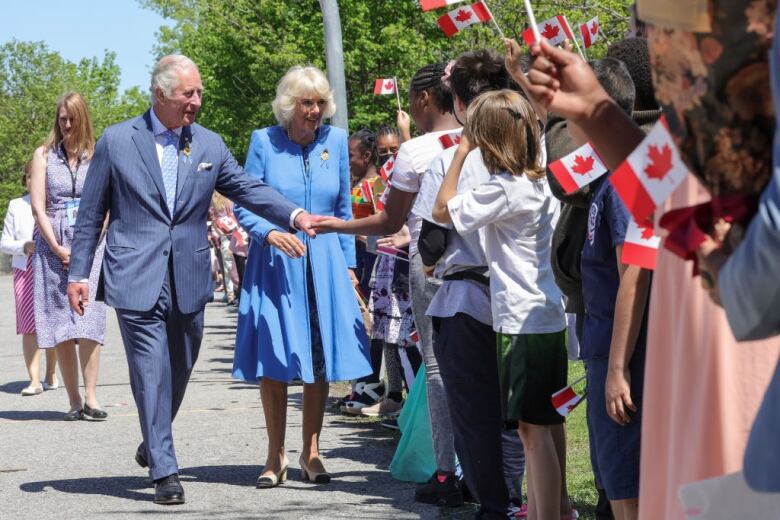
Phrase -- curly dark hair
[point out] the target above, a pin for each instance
(475, 72)
(633, 52)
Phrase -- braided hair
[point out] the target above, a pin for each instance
(367, 141)
(428, 79)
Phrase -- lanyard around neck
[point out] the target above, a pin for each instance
(74, 175)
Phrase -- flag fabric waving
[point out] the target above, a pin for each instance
(555, 31)
(566, 400)
(384, 86)
(641, 245)
(589, 31)
(462, 17)
(650, 173)
(387, 169)
(449, 140)
(578, 169)
(428, 5)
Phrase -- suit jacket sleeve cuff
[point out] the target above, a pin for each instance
(293, 216)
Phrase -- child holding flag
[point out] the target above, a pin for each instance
(430, 102)
(614, 329)
(517, 211)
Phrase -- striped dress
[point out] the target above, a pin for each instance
(23, 293)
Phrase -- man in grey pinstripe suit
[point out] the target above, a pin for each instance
(154, 176)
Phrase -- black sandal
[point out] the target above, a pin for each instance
(73, 415)
(94, 413)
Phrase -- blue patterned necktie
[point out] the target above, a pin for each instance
(170, 168)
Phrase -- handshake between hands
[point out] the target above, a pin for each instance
(290, 244)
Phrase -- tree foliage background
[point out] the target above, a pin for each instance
(243, 47)
(32, 78)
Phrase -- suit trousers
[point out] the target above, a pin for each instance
(466, 351)
(162, 346)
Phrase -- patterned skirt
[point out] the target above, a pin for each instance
(390, 307)
(24, 296)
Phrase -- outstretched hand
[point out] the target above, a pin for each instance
(328, 224)
(562, 82)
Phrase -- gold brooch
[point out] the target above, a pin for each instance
(324, 155)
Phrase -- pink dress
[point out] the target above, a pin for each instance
(702, 388)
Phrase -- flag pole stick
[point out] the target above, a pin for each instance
(493, 18)
(529, 10)
(397, 95)
(576, 43)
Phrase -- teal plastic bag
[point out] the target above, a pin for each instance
(414, 460)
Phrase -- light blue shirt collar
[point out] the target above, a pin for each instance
(159, 128)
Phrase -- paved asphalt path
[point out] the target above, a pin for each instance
(51, 469)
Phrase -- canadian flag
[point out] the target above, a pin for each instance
(641, 245)
(650, 173)
(555, 30)
(428, 5)
(566, 400)
(387, 169)
(578, 169)
(449, 140)
(590, 32)
(366, 192)
(462, 17)
(384, 86)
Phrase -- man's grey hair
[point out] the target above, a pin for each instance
(165, 73)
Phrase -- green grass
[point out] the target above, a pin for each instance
(579, 475)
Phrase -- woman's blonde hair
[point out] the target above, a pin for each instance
(82, 140)
(504, 127)
(299, 82)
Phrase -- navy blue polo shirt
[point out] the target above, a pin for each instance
(608, 222)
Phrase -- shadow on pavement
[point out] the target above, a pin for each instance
(120, 487)
(30, 415)
(13, 387)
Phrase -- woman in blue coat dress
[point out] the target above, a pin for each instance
(298, 317)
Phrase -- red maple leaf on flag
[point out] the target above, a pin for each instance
(582, 165)
(550, 31)
(463, 15)
(594, 28)
(389, 85)
(647, 229)
(660, 161)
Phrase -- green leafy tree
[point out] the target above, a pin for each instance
(32, 78)
(243, 47)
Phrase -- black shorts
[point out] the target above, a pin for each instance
(531, 368)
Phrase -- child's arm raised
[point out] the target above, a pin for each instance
(449, 186)
(629, 310)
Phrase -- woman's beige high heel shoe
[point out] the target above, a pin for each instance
(308, 475)
(274, 479)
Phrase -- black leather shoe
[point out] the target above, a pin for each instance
(140, 457)
(168, 491)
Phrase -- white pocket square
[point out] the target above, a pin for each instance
(204, 166)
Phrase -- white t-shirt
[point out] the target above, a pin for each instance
(519, 216)
(412, 160)
(463, 252)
